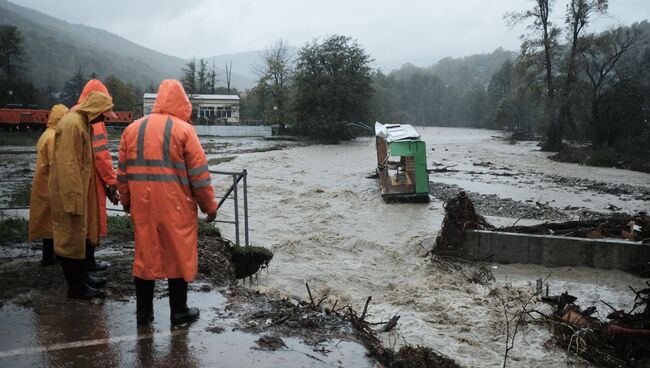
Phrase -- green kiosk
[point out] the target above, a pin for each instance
(401, 163)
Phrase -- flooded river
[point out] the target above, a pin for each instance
(329, 227)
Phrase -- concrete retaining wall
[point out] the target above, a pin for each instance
(233, 130)
(553, 251)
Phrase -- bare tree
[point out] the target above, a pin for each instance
(275, 77)
(545, 35)
(202, 76)
(228, 75)
(212, 79)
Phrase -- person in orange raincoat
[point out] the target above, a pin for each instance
(40, 214)
(105, 179)
(162, 175)
(73, 194)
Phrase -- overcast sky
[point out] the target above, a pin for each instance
(420, 31)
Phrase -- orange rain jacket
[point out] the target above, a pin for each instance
(103, 161)
(73, 194)
(40, 214)
(162, 175)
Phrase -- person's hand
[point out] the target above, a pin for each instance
(211, 217)
(127, 208)
(112, 194)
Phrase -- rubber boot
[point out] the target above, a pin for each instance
(96, 282)
(180, 313)
(144, 300)
(75, 273)
(48, 253)
(94, 265)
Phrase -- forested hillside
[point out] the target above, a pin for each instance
(56, 50)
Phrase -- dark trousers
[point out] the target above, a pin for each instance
(90, 254)
(75, 272)
(144, 296)
(48, 249)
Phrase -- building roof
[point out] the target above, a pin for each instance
(200, 97)
(397, 132)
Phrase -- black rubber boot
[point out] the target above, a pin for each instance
(75, 273)
(96, 282)
(180, 313)
(48, 253)
(94, 265)
(144, 300)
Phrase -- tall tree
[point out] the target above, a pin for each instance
(578, 16)
(202, 76)
(73, 87)
(12, 51)
(228, 75)
(545, 36)
(189, 79)
(333, 88)
(124, 95)
(275, 79)
(212, 79)
(605, 67)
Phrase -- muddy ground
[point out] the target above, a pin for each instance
(275, 322)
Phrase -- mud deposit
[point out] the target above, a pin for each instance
(241, 328)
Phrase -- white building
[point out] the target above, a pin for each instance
(206, 109)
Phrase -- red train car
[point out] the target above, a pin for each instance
(36, 119)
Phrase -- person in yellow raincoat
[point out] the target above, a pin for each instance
(105, 178)
(40, 215)
(73, 196)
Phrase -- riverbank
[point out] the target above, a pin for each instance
(631, 156)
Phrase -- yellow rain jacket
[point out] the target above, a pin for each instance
(40, 215)
(75, 210)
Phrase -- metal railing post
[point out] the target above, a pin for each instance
(245, 208)
(234, 183)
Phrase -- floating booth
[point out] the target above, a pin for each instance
(401, 163)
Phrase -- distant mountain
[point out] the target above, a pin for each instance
(461, 72)
(57, 49)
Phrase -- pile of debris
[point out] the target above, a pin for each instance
(622, 341)
(222, 262)
(460, 215)
(619, 226)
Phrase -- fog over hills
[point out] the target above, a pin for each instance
(57, 49)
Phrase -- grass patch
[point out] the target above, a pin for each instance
(206, 229)
(114, 134)
(14, 138)
(220, 160)
(21, 194)
(13, 229)
(119, 225)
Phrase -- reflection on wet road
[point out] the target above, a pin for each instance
(79, 334)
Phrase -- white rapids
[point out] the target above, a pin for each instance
(327, 225)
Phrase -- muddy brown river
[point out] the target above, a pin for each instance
(328, 226)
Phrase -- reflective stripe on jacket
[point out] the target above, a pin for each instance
(103, 160)
(163, 175)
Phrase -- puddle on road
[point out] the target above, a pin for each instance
(107, 336)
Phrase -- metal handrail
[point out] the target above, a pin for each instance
(236, 178)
